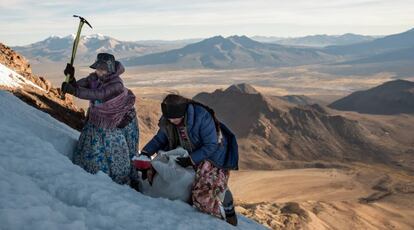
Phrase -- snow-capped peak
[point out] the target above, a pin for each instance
(95, 36)
(54, 36)
(11, 79)
(70, 36)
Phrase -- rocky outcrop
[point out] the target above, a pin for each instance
(276, 216)
(45, 98)
(18, 63)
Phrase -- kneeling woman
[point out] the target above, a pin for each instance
(109, 139)
(212, 148)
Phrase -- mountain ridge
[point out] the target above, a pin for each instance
(232, 52)
(392, 97)
(381, 45)
(318, 40)
(273, 132)
(59, 48)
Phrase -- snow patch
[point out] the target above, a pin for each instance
(10, 78)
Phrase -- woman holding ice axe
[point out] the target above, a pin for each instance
(109, 139)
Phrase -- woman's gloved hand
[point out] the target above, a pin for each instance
(184, 161)
(68, 88)
(69, 70)
(145, 154)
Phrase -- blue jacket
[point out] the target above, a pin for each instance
(202, 133)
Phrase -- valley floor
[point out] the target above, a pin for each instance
(362, 197)
(326, 83)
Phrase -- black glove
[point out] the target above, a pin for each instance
(144, 174)
(70, 70)
(184, 161)
(146, 154)
(68, 88)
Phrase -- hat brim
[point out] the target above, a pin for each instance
(96, 64)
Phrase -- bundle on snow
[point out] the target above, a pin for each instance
(171, 180)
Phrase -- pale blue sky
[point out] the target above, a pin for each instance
(27, 21)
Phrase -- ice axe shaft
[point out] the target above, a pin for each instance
(82, 21)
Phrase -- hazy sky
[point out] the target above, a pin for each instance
(27, 21)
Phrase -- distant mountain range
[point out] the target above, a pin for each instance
(57, 48)
(381, 45)
(392, 54)
(320, 40)
(232, 52)
(242, 52)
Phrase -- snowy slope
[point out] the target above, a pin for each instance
(40, 188)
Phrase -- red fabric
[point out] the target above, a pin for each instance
(210, 182)
(181, 131)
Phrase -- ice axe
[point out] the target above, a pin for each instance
(82, 21)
